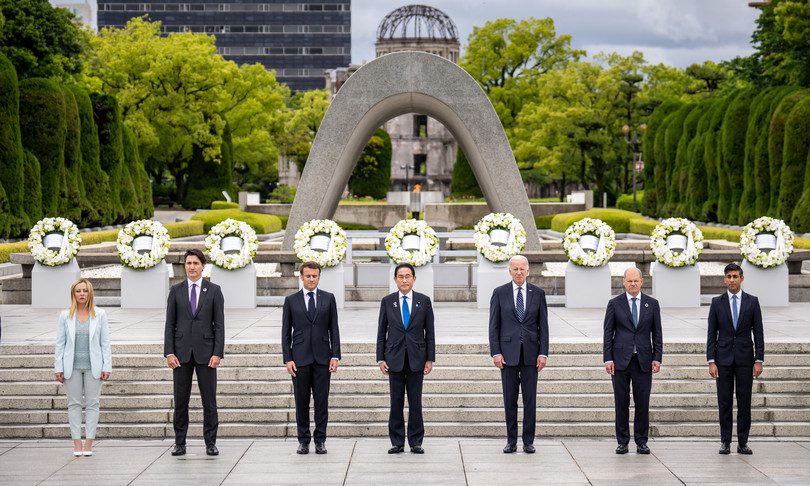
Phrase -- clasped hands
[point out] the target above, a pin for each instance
(428, 367)
(610, 367)
(714, 372)
(500, 363)
(173, 362)
(292, 369)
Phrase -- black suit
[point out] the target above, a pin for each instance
(406, 352)
(311, 341)
(520, 342)
(632, 350)
(734, 353)
(193, 339)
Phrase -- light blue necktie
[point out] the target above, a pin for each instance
(406, 312)
(734, 315)
(635, 312)
(520, 311)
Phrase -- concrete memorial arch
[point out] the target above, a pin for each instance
(392, 85)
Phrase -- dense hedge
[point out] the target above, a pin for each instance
(208, 178)
(32, 204)
(737, 157)
(96, 181)
(372, 173)
(261, 223)
(43, 126)
(71, 197)
(464, 183)
(107, 116)
(14, 219)
(625, 201)
(141, 184)
(224, 205)
(618, 219)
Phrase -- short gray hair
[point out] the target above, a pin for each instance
(633, 268)
(518, 257)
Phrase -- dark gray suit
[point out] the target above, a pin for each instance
(405, 352)
(520, 342)
(312, 342)
(193, 339)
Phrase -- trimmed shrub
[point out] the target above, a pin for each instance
(372, 173)
(757, 119)
(795, 197)
(95, 180)
(464, 183)
(72, 200)
(659, 173)
(31, 173)
(42, 126)
(618, 220)
(283, 194)
(735, 123)
(208, 178)
(679, 133)
(625, 201)
(224, 205)
(107, 116)
(133, 165)
(261, 223)
(6, 249)
(543, 221)
(12, 174)
(712, 157)
(777, 152)
(650, 206)
(284, 220)
(762, 164)
(355, 226)
(697, 190)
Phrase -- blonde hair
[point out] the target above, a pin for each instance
(75, 305)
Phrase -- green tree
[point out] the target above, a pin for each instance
(111, 155)
(301, 122)
(757, 119)
(735, 122)
(794, 163)
(464, 183)
(671, 138)
(11, 153)
(651, 202)
(208, 178)
(96, 182)
(72, 201)
(678, 196)
(41, 40)
(33, 185)
(372, 173)
(709, 77)
(697, 190)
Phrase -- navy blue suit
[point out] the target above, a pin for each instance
(520, 342)
(405, 351)
(734, 352)
(632, 350)
(311, 342)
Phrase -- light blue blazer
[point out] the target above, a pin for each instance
(100, 353)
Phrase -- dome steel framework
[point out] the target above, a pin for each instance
(417, 22)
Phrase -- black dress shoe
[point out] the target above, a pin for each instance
(725, 448)
(510, 448)
(320, 448)
(179, 450)
(642, 449)
(744, 449)
(212, 450)
(417, 450)
(302, 448)
(621, 449)
(396, 449)
(528, 448)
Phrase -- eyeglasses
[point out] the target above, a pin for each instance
(404, 277)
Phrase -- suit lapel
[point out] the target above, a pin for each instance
(625, 306)
(303, 300)
(529, 297)
(725, 309)
(417, 304)
(397, 310)
(744, 301)
(201, 297)
(643, 307)
(318, 304)
(91, 326)
(184, 297)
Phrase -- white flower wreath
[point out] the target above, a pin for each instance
(144, 227)
(775, 257)
(506, 222)
(428, 243)
(336, 251)
(233, 261)
(596, 227)
(71, 241)
(694, 242)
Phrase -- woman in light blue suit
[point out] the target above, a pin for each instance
(82, 360)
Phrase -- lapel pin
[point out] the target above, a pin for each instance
(646, 304)
(205, 289)
(395, 304)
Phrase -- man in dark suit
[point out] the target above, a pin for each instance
(195, 341)
(518, 343)
(633, 347)
(733, 356)
(310, 344)
(406, 350)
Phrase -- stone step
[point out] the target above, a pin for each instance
(380, 429)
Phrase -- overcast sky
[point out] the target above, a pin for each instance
(674, 32)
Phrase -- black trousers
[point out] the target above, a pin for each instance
(399, 382)
(312, 380)
(641, 382)
(207, 382)
(731, 378)
(513, 380)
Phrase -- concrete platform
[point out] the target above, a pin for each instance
(365, 461)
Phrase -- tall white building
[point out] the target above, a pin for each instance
(86, 11)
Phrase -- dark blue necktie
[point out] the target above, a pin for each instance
(635, 312)
(311, 305)
(406, 312)
(520, 311)
(734, 315)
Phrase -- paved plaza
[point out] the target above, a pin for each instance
(365, 461)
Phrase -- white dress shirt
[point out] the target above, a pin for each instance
(314, 296)
(409, 295)
(198, 282)
(514, 294)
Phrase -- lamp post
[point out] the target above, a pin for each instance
(633, 139)
(406, 168)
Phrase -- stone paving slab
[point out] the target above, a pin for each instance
(456, 323)
(366, 462)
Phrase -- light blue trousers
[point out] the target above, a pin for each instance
(83, 389)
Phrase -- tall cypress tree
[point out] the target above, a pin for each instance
(794, 186)
(99, 210)
(735, 123)
(649, 205)
(776, 144)
(697, 190)
(16, 221)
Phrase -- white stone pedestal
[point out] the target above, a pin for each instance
(333, 280)
(586, 287)
(238, 286)
(50, 286)
(424, 280)
(769, 285)
(676, 287)
(145, 289)
(489, 275)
